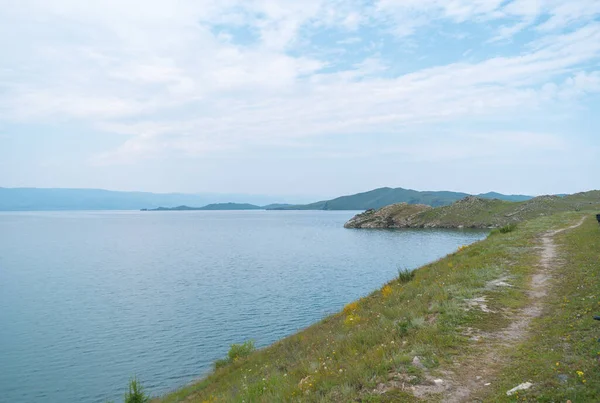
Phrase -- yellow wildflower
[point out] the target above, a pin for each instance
(351, 307)
(351, 319)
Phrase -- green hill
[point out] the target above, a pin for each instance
(381, 197)
(473, 212)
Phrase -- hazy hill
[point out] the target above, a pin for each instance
(277, 206)
(28, 199)
(381, 197)
(500, 196)
(23, 199)
(210, 207)
(231, 206)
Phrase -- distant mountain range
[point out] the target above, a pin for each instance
(43, 199)
(373, 199)
(31, 199)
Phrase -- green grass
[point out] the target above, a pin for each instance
(345, 356)
(474, 212)
(564, 339)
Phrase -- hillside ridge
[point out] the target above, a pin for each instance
(385, 196)
(61, 199)
(472, 212)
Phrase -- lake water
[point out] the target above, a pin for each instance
(89, 299)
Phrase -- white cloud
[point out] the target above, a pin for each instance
(158, 72)
(562, 14)
(349, 41)
(551, 15)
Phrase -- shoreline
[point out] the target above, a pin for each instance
(389, 323)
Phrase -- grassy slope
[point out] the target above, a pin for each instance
(345, 356)
(472, 212)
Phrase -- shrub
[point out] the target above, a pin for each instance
(136, 393)
(221, 363)
(405, 275)
(403, 327)
(504, 230)
(507, 228)
(236, 352)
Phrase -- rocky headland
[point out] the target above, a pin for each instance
(471, 212)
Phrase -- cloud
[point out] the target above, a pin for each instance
(349, 41)
(516, 15)
(162, 75)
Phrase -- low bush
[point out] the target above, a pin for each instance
(505, 229)
(136, 394)
(221, 363)
(405, 275)
(236, 352)
(508, 228)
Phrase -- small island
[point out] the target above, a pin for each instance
(210, 207)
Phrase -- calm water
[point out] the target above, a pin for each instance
(88, 299)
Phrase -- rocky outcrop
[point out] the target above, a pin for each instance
(400, 215)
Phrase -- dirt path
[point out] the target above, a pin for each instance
(477, 372)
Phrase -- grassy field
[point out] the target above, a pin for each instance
(444, 315)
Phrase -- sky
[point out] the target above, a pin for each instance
(307, 97)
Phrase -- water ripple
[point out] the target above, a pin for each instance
(89, 299)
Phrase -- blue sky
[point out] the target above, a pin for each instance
(301, 98)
